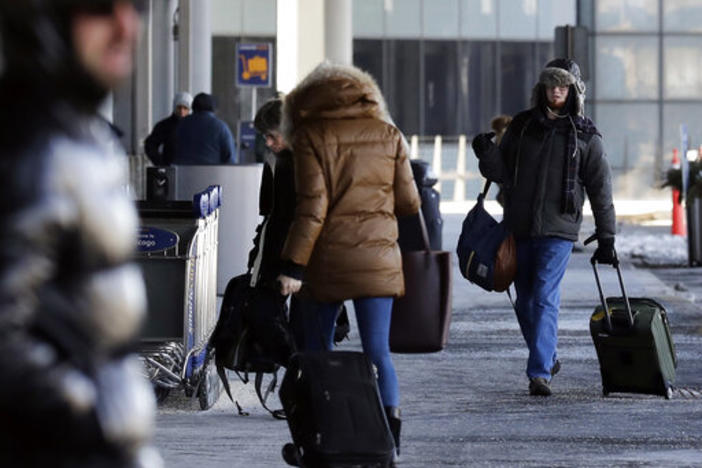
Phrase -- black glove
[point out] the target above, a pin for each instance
(482, 143)
(605, 252)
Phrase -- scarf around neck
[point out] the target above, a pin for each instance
(574, 126)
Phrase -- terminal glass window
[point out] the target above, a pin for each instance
(675, 115)
(403, 84)
(479, 19)
(440, 18)
(519, 72)
(403, 18)
(628, 15)
(517, 19)
(552, 13)
(440, 88)
(477, 85)
(367, 18)
(682, 16)
(681, 67)
(627, 67)
(630, 139)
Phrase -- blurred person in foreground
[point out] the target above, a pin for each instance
(550, 156)
(160, 145)
(203, 138)
(71, 301)
(352, 178)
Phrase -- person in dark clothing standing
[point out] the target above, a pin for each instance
(549, 157)
(277, 195)
(277, 206)
(202, 138)
(160, 144)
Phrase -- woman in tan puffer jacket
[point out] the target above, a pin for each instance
(352, 178)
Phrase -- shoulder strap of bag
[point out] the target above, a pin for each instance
(223, 377)
(486, 187)
(262, 397)
(423, 228)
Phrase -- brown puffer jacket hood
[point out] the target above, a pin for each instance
(352, 177)
(335, 92)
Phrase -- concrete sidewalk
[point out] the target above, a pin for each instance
(469, 405)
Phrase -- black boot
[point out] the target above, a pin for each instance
(395, 423)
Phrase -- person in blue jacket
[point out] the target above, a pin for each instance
(202, 138)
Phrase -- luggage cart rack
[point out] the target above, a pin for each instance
(177, 252)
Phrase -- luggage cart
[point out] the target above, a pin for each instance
(177, 251)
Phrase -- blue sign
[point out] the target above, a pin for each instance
(247, 141)
(153, 239)
(254, 65)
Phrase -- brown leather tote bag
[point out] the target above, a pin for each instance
(421, 318)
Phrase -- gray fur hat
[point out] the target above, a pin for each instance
(561, 72)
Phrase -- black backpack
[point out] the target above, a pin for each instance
(252, 336)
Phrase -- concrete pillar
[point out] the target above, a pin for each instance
(338, 32)
(300, 40)
(194, 46)
(143, 84)
(163, 57)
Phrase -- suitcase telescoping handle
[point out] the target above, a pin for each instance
(627, 305)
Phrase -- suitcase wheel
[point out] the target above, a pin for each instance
(668, 392)
(291, 455)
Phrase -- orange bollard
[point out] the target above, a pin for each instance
(678, 227)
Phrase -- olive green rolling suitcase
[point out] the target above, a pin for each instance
(633, 343)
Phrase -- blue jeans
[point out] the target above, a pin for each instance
(373, 316)
(541, 265)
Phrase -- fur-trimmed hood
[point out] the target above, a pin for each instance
(561, 72)
(333, 91)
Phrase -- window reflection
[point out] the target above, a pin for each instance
(630, 15)
(440, 88)
(682, 16)
(627, 67)
(682, 78)
(629, 132)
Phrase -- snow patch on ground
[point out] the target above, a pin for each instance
(653, 250)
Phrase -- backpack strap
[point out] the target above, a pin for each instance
(277, 414)
(223, 377)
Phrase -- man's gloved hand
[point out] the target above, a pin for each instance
(482, 143)
(605, 252)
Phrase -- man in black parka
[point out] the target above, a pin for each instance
(550, 156)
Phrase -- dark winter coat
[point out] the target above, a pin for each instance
(161, 142)
(277, 206)
(202, 138)
(530, 163)
(352, 177)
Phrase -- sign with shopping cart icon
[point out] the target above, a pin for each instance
(254, 65)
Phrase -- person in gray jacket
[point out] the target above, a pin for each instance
(549, 157)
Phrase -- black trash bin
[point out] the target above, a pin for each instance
(693, 207)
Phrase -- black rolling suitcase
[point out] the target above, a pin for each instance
(334, 412)
(633, 343)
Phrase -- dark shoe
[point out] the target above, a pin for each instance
(556, 367)
(539, 386)
(395, 423)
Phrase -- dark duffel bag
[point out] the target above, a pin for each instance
(633, 343)
(334, 411)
